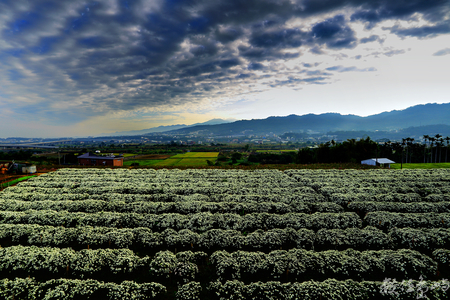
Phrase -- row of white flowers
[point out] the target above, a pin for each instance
(182, 207)
(387, 220)
(66, 261)
(164, 188)
(214, 239)
(198, 222)
(416, 207)
(241, 207)
(423, 239)
(226, 178)
(300, 265)
(291, 186)
(69, 289)
(291, 199)
(330, 289)
(346, 198)
(98, 263)
(291, 265)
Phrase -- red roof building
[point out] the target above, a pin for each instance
(91, 159)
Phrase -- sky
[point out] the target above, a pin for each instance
(87, 68)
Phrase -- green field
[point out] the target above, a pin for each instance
(169, 162)
(143, 162)
(4, 185)
(197, 155)
(193, 162)
(422, 166)
(275, 151)
(189, 159)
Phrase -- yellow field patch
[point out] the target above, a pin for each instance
(197, 155)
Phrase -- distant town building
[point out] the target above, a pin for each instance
(384, 162)
(91, 159)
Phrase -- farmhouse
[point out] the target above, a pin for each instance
(384, 162)
(91, 159)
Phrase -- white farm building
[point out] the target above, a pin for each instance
(378, 162)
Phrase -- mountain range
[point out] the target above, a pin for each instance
(415, 116)
(167, 128)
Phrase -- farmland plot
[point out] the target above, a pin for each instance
(226, 234)
(189, 159)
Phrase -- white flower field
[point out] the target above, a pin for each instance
(226, 234)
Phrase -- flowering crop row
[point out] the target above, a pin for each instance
(65, 262)
(147, 189)
(143, 239)
(370, 176)
(246, 182)
(300, 265)
(330, 289)
(347, 198)
(198, 222)
(14, 194)
(442, 257)
(387, 220)
(352, 180)
(291, 199)
(183, 207)
(68, 289)
(291, 266)
(415, 207)
(100, 263)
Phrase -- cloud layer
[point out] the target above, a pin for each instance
(71, 60)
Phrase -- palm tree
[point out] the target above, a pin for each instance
(431, 139)
(446, 149)
(425, 138)
(437, 136)
(403, 146)
(441, 144)
(410, 144)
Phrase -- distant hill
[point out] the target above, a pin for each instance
(393, 135)
(415, 116)
(166, 128)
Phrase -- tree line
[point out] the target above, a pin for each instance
(434, 149)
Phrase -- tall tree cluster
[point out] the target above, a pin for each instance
(434, 149)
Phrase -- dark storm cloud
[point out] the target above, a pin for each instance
(256, 66)
(372, 12)
(285, 38)
(334, 32)
(228, 34)
(122, 55)
(256, 54)
(424, 31)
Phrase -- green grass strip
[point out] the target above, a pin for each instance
(142, 162)
(9, 183)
